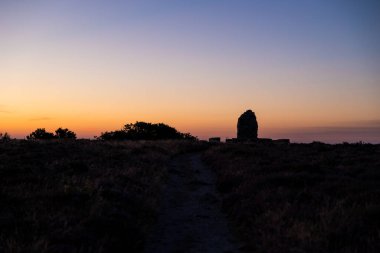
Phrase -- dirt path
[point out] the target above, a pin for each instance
(190, 219)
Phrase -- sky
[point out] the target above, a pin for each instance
(309, 69)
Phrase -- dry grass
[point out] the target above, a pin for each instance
(301, 198)
(81, 196)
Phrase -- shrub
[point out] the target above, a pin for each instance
(65, 133)
(40, 134)
(60, 133)
(114, 135)
(146, 131)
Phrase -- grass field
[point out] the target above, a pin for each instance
(81, 196)
(103, 196)
(301, 197)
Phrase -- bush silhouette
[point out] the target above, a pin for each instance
(146, 131)
(65, 133)
(60, 133)
(40, 134)
(114, 135)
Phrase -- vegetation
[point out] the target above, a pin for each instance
(103, 196)
(146, 131)
(5, 137)
(65, 134)
(301, 197)
(60, 133)
(40, 134)
(82, 196)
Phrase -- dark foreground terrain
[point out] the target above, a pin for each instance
(99, 196)
(81, 196)
(190, 218)
(301, 197)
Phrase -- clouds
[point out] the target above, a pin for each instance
(353, 131)
(344, 130)
(368, 132)
(369, 123)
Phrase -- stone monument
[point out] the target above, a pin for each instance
(247, 127)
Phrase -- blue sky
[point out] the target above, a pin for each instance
(297, 64)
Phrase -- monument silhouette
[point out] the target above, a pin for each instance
(247, 126)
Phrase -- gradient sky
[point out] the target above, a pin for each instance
(310, 69)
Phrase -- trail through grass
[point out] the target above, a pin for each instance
(190, 218)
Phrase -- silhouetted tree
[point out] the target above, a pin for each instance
(65, 133)
(146, 131)
(40, 134)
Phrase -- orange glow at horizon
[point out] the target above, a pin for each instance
(88, 125)
(93, 68)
